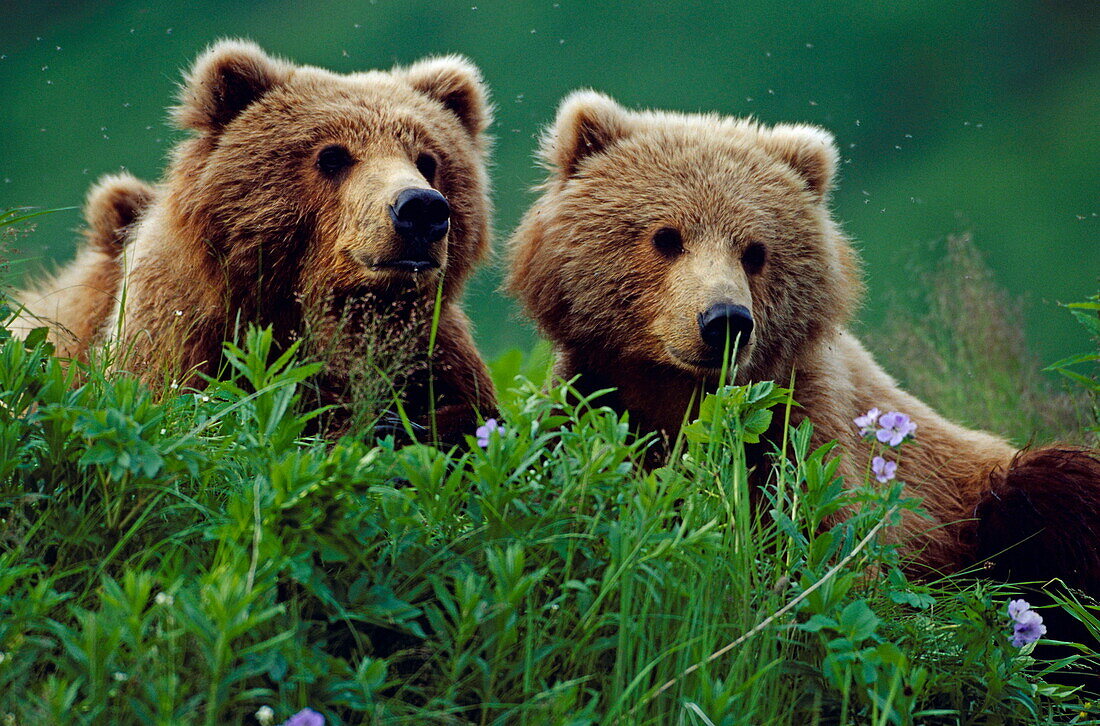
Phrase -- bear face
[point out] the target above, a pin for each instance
(340, 209)
(658, 232)
(660, 236)
(314, 183)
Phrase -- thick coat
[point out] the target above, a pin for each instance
(652, 225)
(76, 302)
(284, 208)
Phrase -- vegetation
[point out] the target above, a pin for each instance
(201, 557)
(956, 341)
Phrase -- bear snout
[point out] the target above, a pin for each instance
(421, 217)
(725, 320)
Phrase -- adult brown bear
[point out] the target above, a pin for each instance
(662, 241)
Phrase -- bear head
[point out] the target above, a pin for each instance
(303, 183)
(676, 239)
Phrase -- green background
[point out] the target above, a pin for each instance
(951, 116)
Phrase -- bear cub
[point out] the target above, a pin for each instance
(663, 243)
(345, 209)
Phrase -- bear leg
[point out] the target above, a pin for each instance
(1041, 519)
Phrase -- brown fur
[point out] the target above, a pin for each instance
(76, 302)
(1044, 510)
(246, 228)
(623, 313)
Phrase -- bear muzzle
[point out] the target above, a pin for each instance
(421, 218)
(724, 327)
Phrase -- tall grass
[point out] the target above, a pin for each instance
(956, 340)
(191, 558)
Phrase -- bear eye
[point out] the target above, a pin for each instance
(426, 165)
(332, 160)
(668, 241)
(753, 257)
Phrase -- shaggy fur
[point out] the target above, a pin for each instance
(247, 227)
(1047, 502)
(77, 301)
(750, 204)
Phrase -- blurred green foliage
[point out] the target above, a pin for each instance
(953, 117)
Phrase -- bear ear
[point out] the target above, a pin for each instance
(456, 83)
(224, 81)
(809, 150)
(587, 123)
(111, 208)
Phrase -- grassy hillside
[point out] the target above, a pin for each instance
(199, 557)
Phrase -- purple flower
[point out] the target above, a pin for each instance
(485, 431)
(894, 428)
(1027, 625)
(883, 470)
(305, 717)
(867, 422)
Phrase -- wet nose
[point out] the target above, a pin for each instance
(722, 319)
(420, 216)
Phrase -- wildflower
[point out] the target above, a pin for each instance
(894, 428)
(120, 676)
(1027, 625)
(867, 422)
(883, 470)
(163, 598)
(179, 313)
(307, 716)
(265, 715)
(485, 431)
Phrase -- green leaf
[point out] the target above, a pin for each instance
(788, 527)
(858, 621)
(816, 623)
(36, 337)
(915, 600)
(757, 423)
(889, 653)
(385, 604)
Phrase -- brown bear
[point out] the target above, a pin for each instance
(662, 242)
(346, 208)
(76, 302)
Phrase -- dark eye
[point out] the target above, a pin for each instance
(668, 241)
(426, 165)
(332, 160)
(753, 257)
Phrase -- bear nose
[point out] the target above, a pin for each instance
(420, 216)
(722, 319)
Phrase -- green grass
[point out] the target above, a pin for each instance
(191, 558)
(956, 341)
(187, 558)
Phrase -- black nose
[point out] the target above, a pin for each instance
(420, 216)
(722, 319)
